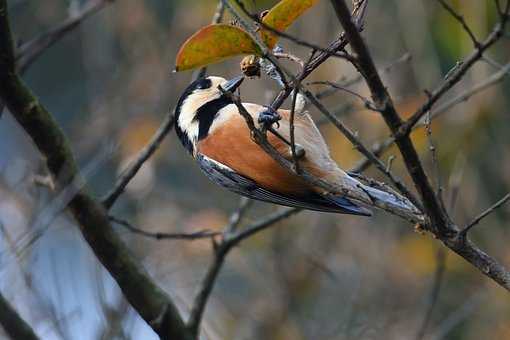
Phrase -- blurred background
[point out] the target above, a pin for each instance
(313, 276)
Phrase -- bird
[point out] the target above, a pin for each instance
(211, 129)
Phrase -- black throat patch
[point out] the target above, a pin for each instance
(208, 112)
(204, 116)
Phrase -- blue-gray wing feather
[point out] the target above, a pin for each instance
(229, 179)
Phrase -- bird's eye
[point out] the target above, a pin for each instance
(203, 84)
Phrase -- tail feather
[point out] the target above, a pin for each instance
(389, 199)
(349, 207)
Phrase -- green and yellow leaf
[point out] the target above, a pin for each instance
(282, 16)
(213, 44)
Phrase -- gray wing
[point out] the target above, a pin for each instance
(228, 178)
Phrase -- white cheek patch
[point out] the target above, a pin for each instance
(187, 121)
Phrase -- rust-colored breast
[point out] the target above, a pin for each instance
(230, 144)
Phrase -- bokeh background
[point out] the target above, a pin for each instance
(314, 276)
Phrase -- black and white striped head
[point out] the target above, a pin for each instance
(198, 107)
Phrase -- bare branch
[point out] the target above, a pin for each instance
(381, 147)
(406, 57)
(289, 56)
(127, 175)
(13, 324)
(236, 217)
(31, 50)
(409, 212)
(464, 96)
(363, 149)
(150, 301)
(484, 214)
(435, 160)
(287, 36)
(455, 77)
(368, 104)
(461, 20)
(337, 45)
(295, 157)
(440, 225)
(220, 253)
(197, 235)
(384, 103)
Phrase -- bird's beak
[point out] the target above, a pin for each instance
(232, 84)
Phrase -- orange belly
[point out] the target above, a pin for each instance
(232, 146)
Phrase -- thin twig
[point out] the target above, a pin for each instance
(13, 324)
(236, 217)
(462, 21)
(435, 160)
(296, 40)
(441, 224)
(281, 55)
(31, 50)
(147, 298)
(220, 253)
(454, 78)
(404, 208)
(368, 104)
(464, 96)
(380, 147)
(197, 235)
(127, 175)
(295, 157)
(484, 214)
(363, 149)
(319, 58)
(349, 82)
(384, 104)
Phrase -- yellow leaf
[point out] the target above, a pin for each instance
(213, 44)
(282, 16)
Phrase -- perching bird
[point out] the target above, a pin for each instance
(210, 127)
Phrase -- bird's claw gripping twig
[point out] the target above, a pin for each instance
(269, 117)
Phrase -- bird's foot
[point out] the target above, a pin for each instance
(268, 117)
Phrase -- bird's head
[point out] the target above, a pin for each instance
(199, 105)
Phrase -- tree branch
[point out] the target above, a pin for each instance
(134, 166)
(455, 76)
(385, 105)
(380, 147)
(220, 252)
(404, 209)
(337, 45)
(363, 149)
(31, 50)
(441, 225)
(484, 214)
(197, 235)
(11, 321)
(406, 57)
(152, 303)
(461, 20)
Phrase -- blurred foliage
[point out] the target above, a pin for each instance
(312, 276)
